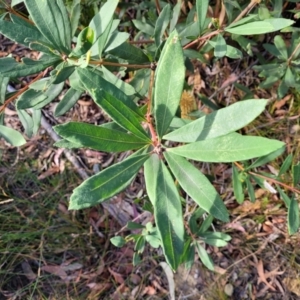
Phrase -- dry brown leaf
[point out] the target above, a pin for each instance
(231, 79)
(49, 172)
(30, 275)
(55, 270)
(117, 276)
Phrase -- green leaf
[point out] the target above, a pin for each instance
(144, 27)
(85, 41)
(98, 137)
(228, 148)
(26, 121)
(12, 136)
(281, 47)
(118, 241)
(189, 255)
(15, 2)
(117, 82)
(286, 199)
(161, 24)
(167, 212)
(116, 39)
(202, 7)
(293, 216)
(230, 51)
(10, 68)
(75, 16)
(134, 225)
(204, 257)
(67, 102)
(102, 19)
(19, 33)
(296, 174)
(175, 15)
(38, 99)
(120, 113)
(151, 167)
(62, 72)
(220, 47)
(52, 20)
(92, 80)
(130, 53)
(3, 86)
(260, 27)
(286, 165)
(218, 123)
(168, 83)
(197, 186)
(237, 185)
(107, 183)
(66, 144)
(250, 189)
(265, 159)
(98, 47)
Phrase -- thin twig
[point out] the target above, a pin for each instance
(269, 179)
(247, 9)
(19, 92)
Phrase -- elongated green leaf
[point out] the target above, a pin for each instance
(26, 121)
(281, 47)
(228, 148)
(204, 257)
(167, 211)
(93, 80)
(19, 33)
(284, 196)
(265, 159)
(61, 74)
(66, 144)
(168, 83)
(237, 185)
(10, 68)
(162, 23)
(296, 174)
(220, 47)
(218, 123)
(293, 216)
(67, 102)
(107, 183)
(151, 167)
(75, 15)
(231, 52)
(117, 82)
(250, 189)
(202, 7)
(116, 39)
(52, 20)
(98, 138)
(197, 186)
(175, 15)
(3, 86)
(260, 27)
(12, 136)
(102, 19)
(286, 165)
(144, 27)
(38, 99)
(130, 53)
(120, 113)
